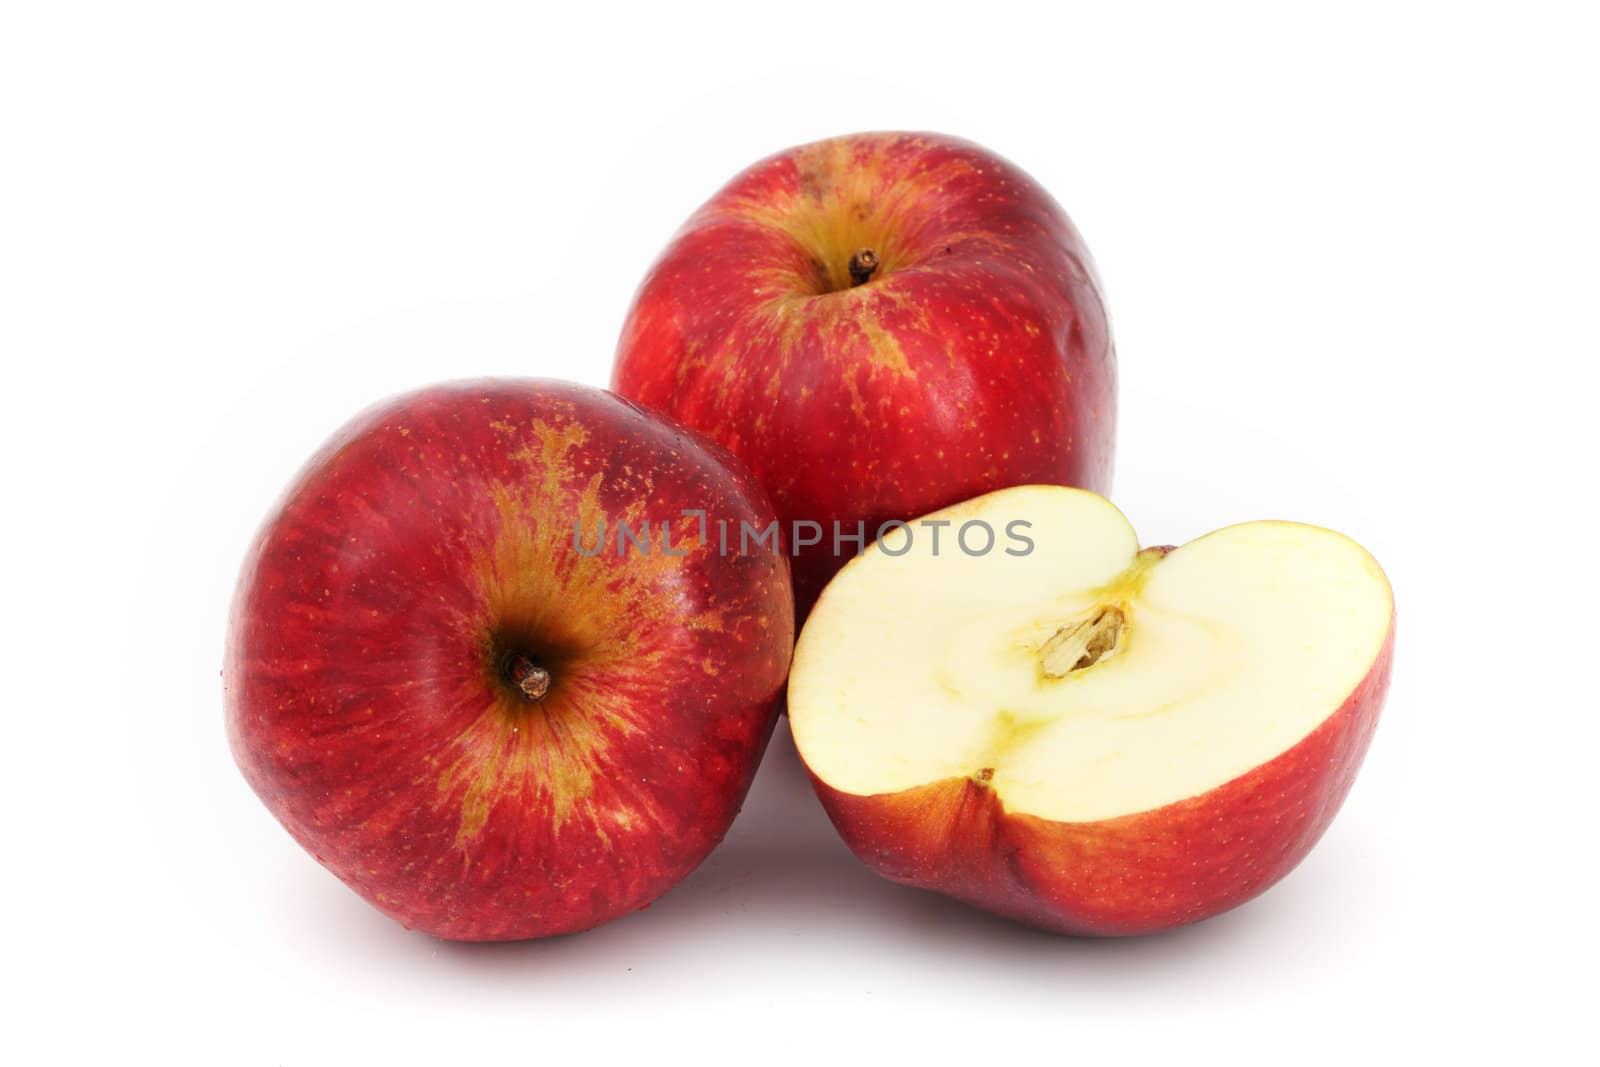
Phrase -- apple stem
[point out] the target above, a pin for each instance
(531, 680)
(862, 265)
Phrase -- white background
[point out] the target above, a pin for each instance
(1351, 259)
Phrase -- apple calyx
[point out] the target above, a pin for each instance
(528, 678)
(863, 263)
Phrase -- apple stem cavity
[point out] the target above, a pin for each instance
(1082, 643)
(862, 265)
(530, 679)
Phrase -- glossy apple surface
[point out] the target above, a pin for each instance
(1089, 737)
(879, 325)
(484, 731)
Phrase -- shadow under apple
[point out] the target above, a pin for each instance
(783, 877)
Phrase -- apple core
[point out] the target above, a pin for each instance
(1083, 643)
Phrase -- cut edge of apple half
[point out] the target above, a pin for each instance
(1085, 679)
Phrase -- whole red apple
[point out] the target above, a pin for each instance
(879, 325)
(1082, 735)
(488, 717)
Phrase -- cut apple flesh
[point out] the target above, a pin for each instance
(1084, 679)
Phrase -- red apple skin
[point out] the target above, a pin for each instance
(977, 357)
(366, 702)
(1137, 874)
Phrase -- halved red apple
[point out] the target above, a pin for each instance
(1078, 734)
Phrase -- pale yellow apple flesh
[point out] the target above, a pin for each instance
(1084, 679)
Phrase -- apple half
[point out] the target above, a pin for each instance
(1081, 735)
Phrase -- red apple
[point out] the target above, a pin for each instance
(1081, 735)
(879, 325)
(487, 725)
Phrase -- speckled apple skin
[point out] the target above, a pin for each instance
(977, 357)
(1136, 874)
(364, 702)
